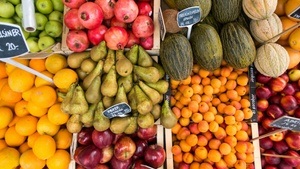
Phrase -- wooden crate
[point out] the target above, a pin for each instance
(156, 35)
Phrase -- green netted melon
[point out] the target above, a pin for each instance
(176, 56)
(207, 47)
(225, 11)
(238, 46)
(210, 20)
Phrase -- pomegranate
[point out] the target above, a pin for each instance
(144, 8)
(73, 3)
(147, 43)
(71, 20)
(126, 10)
(90, 15)
(77, 40)
(107, 7)
(96, 35)
(143, 26)
(116, 38)
(132, 40)
(115, 22)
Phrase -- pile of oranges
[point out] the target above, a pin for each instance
(32, 126)
(212, 108)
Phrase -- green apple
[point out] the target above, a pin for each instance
(294, 75)
(7, 20)
(14, 2)
(53, 28)
(7, 9)
(44, 6)
(58, 5)
(32, 43)
(45, 42)
(56, 16)
(18, 9)
(17, 19)
(43, 33)
(35, 33)
(41, 21)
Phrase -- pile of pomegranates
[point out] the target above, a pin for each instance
(277, 97)
(121, 23)
(106, 150)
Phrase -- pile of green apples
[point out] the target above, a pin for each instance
(49, 21)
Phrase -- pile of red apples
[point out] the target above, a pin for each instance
(277, 97)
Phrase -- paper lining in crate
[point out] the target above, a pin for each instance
(156, 33)
(160, 140)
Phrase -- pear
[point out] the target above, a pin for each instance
(119, 124)
(167, 118)
(145, 120)
(160, 69)
(132, 54)
(144, 59)
(65, 104)
(95, 72)
(109, 85)
(107, 101)
(153, 94)
(156, 111)
(120, 96)
(74, 124)
(147, 74)
(74, 59)
(132, 99)
(123, 66)
(88, 65)
(93, 94)
(126, 81)
(101, 122)
(110, 60)
(144, 103)
(161, 86)
(81, 74)
(132, 127)
(99, 51)
(78, 103)
(88, 117)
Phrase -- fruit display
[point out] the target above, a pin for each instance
(49, 22)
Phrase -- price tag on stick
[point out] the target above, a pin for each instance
(117, 110)
(287, 122)
(296, 13)
(188, 17)
(12, 41)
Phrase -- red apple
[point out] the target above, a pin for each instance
(284, 165)
(295, 85)
(260, 78)
(71, 20)
(183, 165)
(275, 99)
(96, 35)
(138, 164)
(262, 104)
(261, 130)
(90, 15)
(84, 137)
(266, 122)
(277, 84)
(119, 164)
(73, 3)
(103, 139)
(294, 162)
(297, 97)
(288, 90)
(266, 143)
(77, 40)
(274, 111)
(288, 103)
(285, 76)
(155, 155)
(124, 148)
(293, 140)
(106, 154)
(280, 146)
(268, 166)
(147, 133)
(277, 136)
(297, 112)
(89, 156)
(260, 116)
(272, 160)
(263, 92)
(141, 146)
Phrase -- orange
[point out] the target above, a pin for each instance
(280, 11)
(20, 80)
(3, 73)
(37, 64)
(294, 39)
(26, 125)
(287, 23)
(24, 147)
(60, 160)
(294, 56)
(9, 158)
(8, 95)
(2, 144)
(44, 96)
(56, 115)
(31, 139)
(35, 110)
(20, 108)
(55, 62)
(290, 6)
(2, 132)
(63, 139)
(13, 138)
(29, 160)
(41, 82)
(26, 94)
(64, 78)
(44, 126)
(44, 147)
(9, 67)
(6, 116)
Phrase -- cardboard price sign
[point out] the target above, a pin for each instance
(188, 17)
(117, 110)
(287, 122)
(12, 41)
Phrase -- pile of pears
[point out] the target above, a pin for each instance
(109, 77)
